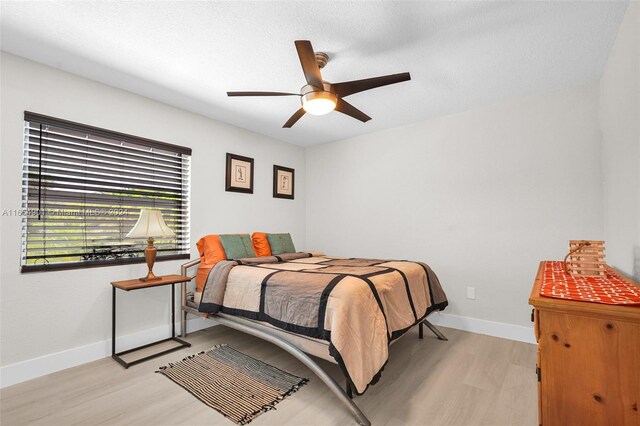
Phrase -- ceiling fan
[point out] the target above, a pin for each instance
(320, 97)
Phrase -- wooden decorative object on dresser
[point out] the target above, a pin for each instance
(588, 360)
(585, 257)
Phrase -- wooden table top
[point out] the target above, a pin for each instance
(569, 306)
(136, 284)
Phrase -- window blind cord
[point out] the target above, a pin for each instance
(40, 175)
(84, 198)
(153, 176)
(40, 190)
(45, 260)
(121, 231)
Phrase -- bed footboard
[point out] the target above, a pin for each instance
(184, 307)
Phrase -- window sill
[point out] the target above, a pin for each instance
(96, 264)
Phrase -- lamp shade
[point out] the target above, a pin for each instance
(150, 224)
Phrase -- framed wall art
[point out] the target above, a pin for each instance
(283, 182)
(239, 174)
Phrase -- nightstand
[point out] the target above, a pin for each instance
(136, 284)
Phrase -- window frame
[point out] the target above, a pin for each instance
(31, 117)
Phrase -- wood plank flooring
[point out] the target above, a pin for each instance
(470, 380)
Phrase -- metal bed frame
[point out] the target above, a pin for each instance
(345, 396)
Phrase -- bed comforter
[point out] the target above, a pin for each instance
(358, 305)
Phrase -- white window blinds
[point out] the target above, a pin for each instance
(83, 188)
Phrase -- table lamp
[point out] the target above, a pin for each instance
(150, 224)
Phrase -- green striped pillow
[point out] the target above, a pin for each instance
(280, 243)
(237, 246)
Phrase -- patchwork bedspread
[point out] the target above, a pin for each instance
(358, 305)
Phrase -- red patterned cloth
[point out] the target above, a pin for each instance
(611, 289)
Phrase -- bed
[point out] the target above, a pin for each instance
(345, 310)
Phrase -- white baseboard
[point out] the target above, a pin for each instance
(30, 369)
(480, 326)
(47, 364)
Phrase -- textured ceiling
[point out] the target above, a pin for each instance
(188, 54)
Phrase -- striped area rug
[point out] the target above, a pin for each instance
(236, 385)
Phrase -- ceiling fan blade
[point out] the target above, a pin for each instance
(309, 64)
(294, 118)
(350, 87)
(348, 109)
(261, 94)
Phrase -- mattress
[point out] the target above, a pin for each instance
(309, 345)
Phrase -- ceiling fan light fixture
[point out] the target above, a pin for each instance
(320, 97)
(319, 103)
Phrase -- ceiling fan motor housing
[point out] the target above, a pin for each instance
(308, 88)
(322, 59)
(316, 101)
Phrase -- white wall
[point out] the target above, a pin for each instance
(620, 120)
(43, 313)
(481, 196)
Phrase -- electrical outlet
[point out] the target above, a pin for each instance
(471, 293)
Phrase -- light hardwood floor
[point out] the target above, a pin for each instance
(470, 380)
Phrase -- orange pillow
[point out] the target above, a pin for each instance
(202, 274)
(261, 244)
(211, 252)
(210, 249)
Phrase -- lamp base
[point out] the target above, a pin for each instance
(150, 277)
(150, 258)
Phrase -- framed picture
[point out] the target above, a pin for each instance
(283, 182)
(239, 174)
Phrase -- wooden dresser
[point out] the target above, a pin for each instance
(588, 361)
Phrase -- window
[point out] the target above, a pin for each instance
(82, 191)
